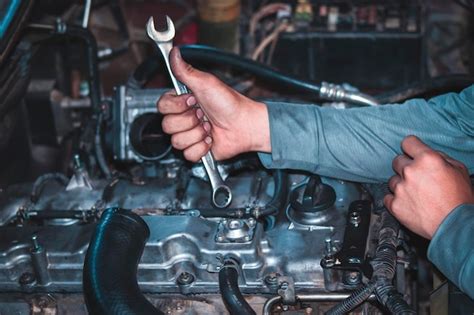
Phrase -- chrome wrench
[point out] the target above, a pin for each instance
(221, 193)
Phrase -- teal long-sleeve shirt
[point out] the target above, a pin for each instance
(359, 144)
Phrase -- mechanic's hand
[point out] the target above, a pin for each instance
(236, 124)
(427, 187)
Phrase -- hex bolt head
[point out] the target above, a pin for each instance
(271, 280)
(27, 278)
(355, 218)
(185, 278)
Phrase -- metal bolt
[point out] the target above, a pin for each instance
(247, 238)
(234, 224)
(355, 218)
(185, 278)
(285, 307)
(77, 161)
(328, 242)
(251, 222)
(284, 286)
(352, 277)
(220, 238)
(271, 279)
(27, 278)
(36, 245)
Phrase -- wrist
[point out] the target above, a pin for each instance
(258, 128)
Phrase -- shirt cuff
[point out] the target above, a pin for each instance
(452, 251)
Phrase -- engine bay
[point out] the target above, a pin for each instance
(84, 153)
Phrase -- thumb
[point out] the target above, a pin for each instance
(185, 73)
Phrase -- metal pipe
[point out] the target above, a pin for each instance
(318, 297)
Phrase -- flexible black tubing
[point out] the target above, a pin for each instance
(98, 148)
(384, 268)
(230, 292)
(280, 194)
(207, 54)
(355, 299)
(110, 269)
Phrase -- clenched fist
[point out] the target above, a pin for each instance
(427, 186)
(234, 124)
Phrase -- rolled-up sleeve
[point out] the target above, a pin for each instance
(359, 144)
(452, 248)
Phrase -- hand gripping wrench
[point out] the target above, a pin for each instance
(221, 193)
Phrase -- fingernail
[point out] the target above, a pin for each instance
(207, 126)
(208, 140)
(199, 113)
(191, 101)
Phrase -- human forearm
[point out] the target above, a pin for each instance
(359, 144)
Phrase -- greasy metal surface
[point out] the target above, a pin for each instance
(178, 243)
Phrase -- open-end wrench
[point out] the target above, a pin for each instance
(221, 193)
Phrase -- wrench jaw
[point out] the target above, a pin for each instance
(163, 36)
(222, 196)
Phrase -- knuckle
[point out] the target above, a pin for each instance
(176, 143)
(190, 155)
(408, 172)
(398, 189)
(409, 138)
(161, 104)
(166, 125)
(187, 155)
(392, 183)
(396, 161)
(431, 157)
(395, 207)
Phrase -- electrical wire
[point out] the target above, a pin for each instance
(266, 10)
(269, 39)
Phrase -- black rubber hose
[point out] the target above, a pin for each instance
(98, 149)
(94, 89)
(230, 292)
(211, 55)
(355, 299)
(279, 196)
(393, 300)
(199, 53)
(110, 268)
